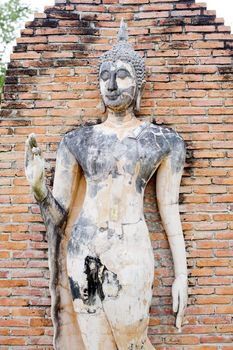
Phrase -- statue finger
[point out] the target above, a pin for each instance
(38, 166)
(180, 314)
(28, 153)
(32, 140)
(36, 151)
(179, 320)
(175, 299)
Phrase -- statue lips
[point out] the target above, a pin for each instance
(112, 97)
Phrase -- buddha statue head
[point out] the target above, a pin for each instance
(121, 75)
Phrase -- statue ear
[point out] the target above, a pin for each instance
(139, 97)
(101, 106)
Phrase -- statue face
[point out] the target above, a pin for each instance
(118, 84)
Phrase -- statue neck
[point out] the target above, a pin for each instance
(121, 119)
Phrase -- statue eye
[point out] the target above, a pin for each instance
(105, 75)
(122, 73)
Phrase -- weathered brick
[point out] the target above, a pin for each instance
(214, 281)
(188, 36)
(212, 262)
(213, 300)
(25, 55)
(51, 88)
(184, 13)
(208, 44)
(215, 339)
(201, 29)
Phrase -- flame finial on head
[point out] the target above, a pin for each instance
(124, 51)
(123, 34)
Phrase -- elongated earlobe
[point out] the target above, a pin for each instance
(139, 97)
(101, 106)
(138, 102)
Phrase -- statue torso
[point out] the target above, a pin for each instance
(101, 153)
(116, 172)
(111, 223)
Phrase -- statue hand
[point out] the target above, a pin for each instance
(180, 298)
(34, 168)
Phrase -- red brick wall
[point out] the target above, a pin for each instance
(51, 87)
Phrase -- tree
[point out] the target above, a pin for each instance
(12, 12)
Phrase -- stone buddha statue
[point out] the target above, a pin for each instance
(101, 258)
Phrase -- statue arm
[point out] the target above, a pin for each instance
(54, 204)
(167, 188)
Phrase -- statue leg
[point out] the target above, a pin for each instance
(85, 285)
(96, 331)
(128, 312)
(132, 337)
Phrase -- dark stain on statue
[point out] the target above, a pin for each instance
(95, 276)
(74, 287)
(99, 279)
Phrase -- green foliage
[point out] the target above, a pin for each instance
(2, 75)
(12, 12)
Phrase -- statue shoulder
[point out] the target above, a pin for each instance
(171, 136)
(75, 138)
(79, 141)
(71, 135)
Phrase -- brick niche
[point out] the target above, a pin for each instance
(51, 87)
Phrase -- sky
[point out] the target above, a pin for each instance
(223, 8)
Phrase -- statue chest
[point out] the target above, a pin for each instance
(102, 154)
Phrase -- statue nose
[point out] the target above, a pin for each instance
(112, 83)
